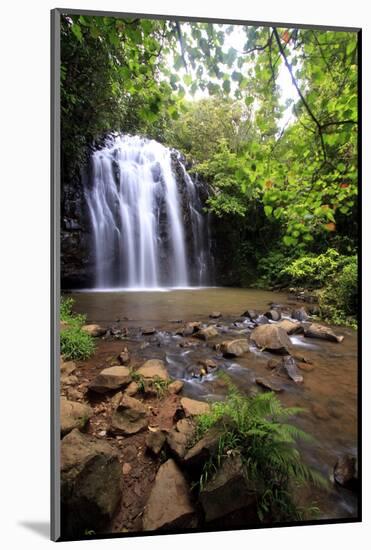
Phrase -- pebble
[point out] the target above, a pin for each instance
(126, 468)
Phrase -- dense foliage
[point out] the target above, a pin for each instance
(283, 174)
(256, 429)
(75, 343)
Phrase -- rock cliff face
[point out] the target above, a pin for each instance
(77, 257)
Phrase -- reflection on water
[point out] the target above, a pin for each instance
(328, 393)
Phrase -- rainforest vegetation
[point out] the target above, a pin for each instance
(280, 159)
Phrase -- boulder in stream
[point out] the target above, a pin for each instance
(206, 333)
(290, 327)
(215, 315)
(271, 338)
(300, 314)
(273, 314)
(269, 383)
(291, 368)
(251, 313)
(234, 348)
(315, 330)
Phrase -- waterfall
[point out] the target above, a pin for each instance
(149, 230)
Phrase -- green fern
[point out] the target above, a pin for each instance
(255, 428)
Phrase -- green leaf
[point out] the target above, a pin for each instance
(76, 29)
(187, 79)
(268, 210)
(289, 241)
(227, 86)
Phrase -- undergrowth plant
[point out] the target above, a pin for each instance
(257, 429)
(75, 343)
(157, 384)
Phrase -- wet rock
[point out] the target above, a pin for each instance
(130, 417)
(148, 331)
(251, 313)
(290, 327)
(314, 310)
(197, 371)
(300, 314)
(185, 331)
(262, 320)
(274, 363)
(291, 368)
(109, 379)
(191, 407)
(320, 412)
(155, 441)
(315, 330)
(273, 314)
(345, 471)
(234, 348)
(305, 367)
(189, 344)
(194, 325)
(153, 368)
(90, 483)
(226, 491)
(208, 364)
(169, 505)
(206, 333)
(94, 330)
(269, 384)
(175, 387)
(118, 333)
(124, 357)
(215, 315)
(271, 338)
(73, 415)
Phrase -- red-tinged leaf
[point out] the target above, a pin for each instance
(286, 37)
(330, 226)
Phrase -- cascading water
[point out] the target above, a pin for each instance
(147, 231)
